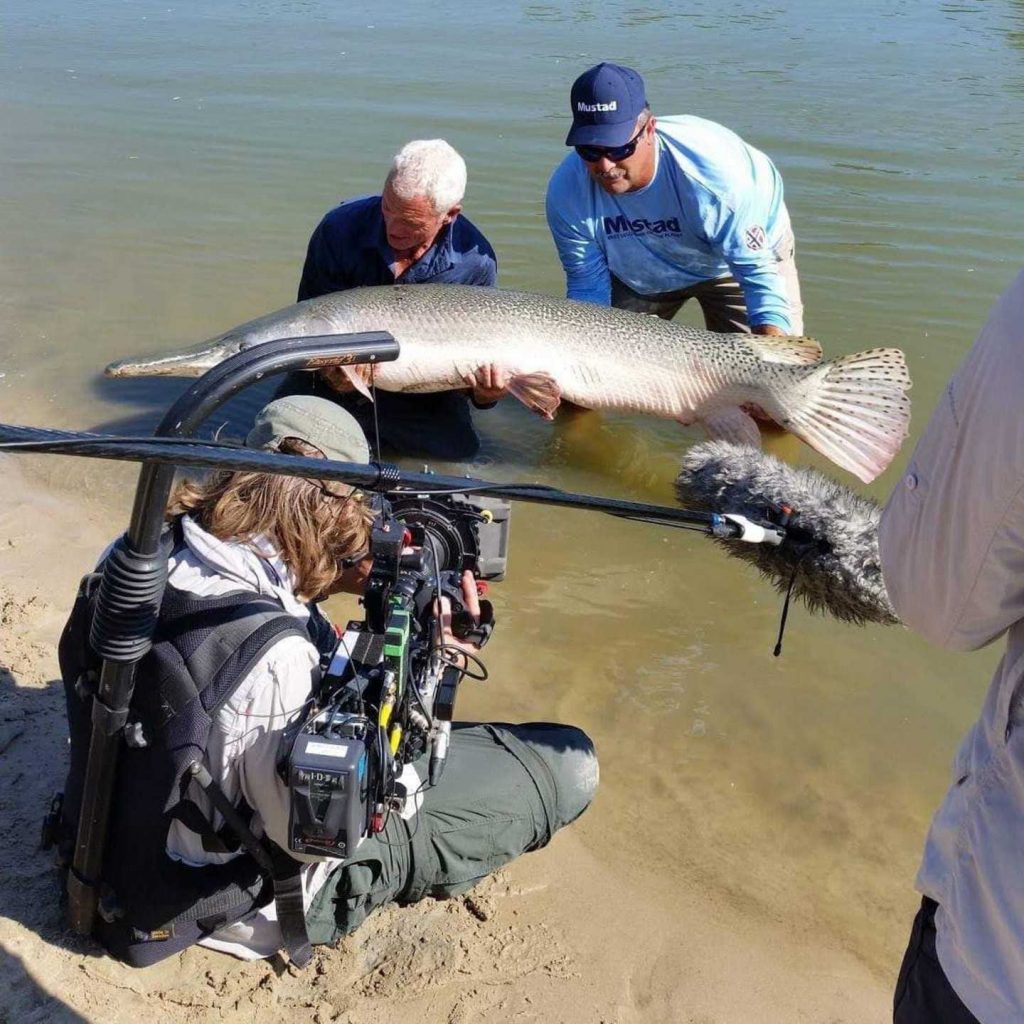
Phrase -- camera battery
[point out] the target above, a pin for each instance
(327, 777)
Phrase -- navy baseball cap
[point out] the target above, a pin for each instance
(605, 100)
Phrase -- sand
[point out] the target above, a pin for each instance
(580, 931)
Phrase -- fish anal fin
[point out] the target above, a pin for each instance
(774, 348)
(732, 424)
(537, 391)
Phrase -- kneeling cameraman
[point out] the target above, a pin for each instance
(197, 849)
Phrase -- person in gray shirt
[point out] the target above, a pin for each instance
(951, 542)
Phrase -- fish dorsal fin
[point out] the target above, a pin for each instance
(792, 350)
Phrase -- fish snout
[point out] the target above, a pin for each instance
(191, 362)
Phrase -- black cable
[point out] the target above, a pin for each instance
(437, 591)
(383, 750)
(373, 402)
(419, 700)
(482, 489)
(789, 592)
(465, 673)
(658, 522)
(422, 788)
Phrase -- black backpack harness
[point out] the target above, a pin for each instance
(152, 906)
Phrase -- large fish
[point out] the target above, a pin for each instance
(854, 409)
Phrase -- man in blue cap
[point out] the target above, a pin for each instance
(648, 213)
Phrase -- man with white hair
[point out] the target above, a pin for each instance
(413, 233)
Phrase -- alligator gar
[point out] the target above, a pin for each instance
(854, 410)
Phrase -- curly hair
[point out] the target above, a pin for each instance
(311, 527)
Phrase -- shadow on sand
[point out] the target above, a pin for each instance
(33, 745)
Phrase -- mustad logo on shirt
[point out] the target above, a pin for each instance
(641, 226)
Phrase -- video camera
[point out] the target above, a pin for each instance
(387, 696)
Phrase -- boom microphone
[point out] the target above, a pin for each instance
(830, 553)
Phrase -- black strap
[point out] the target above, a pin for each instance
(244, 627)
(285, 871)
(291, 913)
(255, 626)
(231, 817)
(191, 816)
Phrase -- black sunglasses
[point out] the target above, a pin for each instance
(591, 154)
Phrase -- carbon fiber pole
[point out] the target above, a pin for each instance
(372, 476)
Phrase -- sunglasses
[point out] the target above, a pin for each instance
(591, 154)
(353, 495)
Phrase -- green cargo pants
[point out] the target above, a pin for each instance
(505, 789)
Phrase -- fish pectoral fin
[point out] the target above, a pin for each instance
(773, 348)
(732, 424)
(537, 391)
(356, 379)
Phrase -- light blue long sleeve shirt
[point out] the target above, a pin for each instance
(714, 207)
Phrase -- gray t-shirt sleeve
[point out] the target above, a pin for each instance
(951, 537)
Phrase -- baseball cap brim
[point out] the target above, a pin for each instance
(601, 134)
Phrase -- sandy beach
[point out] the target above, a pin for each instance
(571, 933)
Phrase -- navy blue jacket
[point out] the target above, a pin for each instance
(349, 249)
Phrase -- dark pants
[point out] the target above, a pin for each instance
(505, 789)
(721, 299)
(923, 994)
(438, 424)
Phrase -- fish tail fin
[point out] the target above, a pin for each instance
(537, 391)
(853, 410)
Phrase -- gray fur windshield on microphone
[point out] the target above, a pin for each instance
(831, 541)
